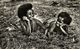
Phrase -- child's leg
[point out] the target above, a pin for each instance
(47, 33)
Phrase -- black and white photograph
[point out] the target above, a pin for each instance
(39, 24)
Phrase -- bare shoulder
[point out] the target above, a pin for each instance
(36, 20)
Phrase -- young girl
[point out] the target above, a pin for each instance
(61, 25)
(28, 23)
(63, 22)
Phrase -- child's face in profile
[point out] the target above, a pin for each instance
(61, 19)
(30, 13)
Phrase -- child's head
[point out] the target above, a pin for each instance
(64, 17)
(24, 9)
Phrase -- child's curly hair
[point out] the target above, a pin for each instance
(22, 10)
(67, 19)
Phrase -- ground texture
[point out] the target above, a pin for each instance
(12, 38)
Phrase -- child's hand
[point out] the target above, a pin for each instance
(25, 18)
(60, 24)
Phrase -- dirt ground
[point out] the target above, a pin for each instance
(12, 38)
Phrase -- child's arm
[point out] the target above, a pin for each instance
(63, 30)
(52, 26)
(28, 21)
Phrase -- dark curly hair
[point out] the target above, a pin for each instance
(22, 10)
(67, 19)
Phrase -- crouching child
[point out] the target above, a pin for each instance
(61, 26)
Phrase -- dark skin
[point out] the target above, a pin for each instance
(32, 22)
(60, 24)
